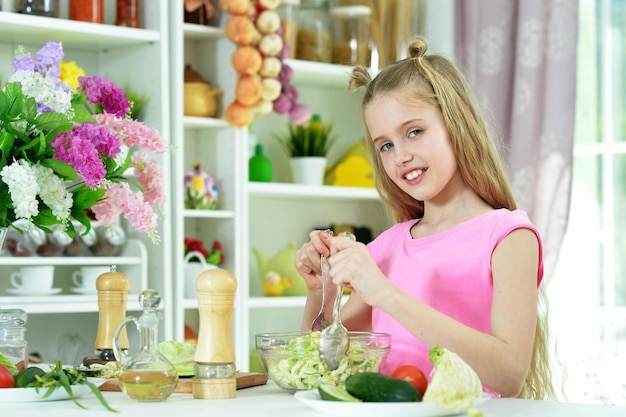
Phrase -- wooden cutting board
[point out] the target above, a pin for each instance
(244, 380)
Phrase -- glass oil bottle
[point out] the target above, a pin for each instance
(146, 375)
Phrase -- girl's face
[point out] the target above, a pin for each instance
(413, 144)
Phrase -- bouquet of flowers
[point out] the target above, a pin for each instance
(61, 162)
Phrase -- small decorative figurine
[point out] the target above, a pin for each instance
(274, 285)
(200, 190)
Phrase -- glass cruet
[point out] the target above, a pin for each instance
(146, 375)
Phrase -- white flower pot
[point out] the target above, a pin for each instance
(192, 270)
(308, 170)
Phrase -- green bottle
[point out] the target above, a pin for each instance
(259, 166)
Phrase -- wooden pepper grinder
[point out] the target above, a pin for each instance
(214, 368)
(112, 289)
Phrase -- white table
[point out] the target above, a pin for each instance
(271, 401)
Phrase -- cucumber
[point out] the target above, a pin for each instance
(28, 376)
(376, 387)
(330, 392)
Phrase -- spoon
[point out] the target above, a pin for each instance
(334, 339)
(320, 322)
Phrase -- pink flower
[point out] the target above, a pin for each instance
(121, 199)
(149, 178)
(131, 132)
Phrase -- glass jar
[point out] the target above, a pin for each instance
(288, 12)
(313, 39)
(127, 13)
(48, 8)
(87, 10)
(351, 38)
(12, 336)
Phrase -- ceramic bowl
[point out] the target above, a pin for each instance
(292, 360)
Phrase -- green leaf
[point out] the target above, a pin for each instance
(80, 216)
(15, 98)
(86, 197)
(82, 115)
(29, 108)
(63, 169)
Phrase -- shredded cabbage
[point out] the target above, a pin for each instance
(454, 383)
(180, 354)
(299, 367)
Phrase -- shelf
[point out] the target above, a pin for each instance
(208, 214)
(21, 29)
(134, 253)
(70, 260)
(297, 191)
(319, 74)
(198, 123)
(201, 32)
(63, 303)
(274, 302)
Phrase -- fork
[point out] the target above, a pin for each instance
(320, 322)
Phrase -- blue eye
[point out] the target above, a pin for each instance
(386, 146)
(414, 133)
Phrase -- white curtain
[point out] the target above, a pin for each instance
(520, 57)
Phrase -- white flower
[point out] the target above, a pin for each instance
(53, 192)
(44, 91)
(23, 188)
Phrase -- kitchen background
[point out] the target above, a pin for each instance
(255, 222)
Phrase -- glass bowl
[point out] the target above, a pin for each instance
(292, 360)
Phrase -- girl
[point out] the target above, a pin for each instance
(461, 266)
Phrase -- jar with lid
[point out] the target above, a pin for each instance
(287, 10)
(314, 39)
(87, 10)
(48, 8)
(12, 336)
(127, 13)
(351, 37)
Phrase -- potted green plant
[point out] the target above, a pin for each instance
(308, 145)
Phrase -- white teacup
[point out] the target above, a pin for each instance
(85, 278)
(33, 278)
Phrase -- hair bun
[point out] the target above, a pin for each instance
(417, 47)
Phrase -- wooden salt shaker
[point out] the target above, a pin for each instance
(214, 369)
(113, 290)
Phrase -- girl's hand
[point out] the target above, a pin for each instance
(352, 266)
(307, 259)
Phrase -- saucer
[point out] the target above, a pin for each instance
(21, 291)
(81, 290)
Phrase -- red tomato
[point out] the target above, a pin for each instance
(6, 378)
(414, 376)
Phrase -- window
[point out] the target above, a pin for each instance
(588, 291)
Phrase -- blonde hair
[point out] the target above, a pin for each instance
(436, 81)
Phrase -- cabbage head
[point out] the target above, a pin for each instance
(454, 383)
(180, 354)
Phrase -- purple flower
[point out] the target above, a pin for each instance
(101, 91)
(23, 63)
(81, 148)
(48, 59)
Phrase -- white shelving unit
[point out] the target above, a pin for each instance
(137, 58)
(263, 215)
(214, 144)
